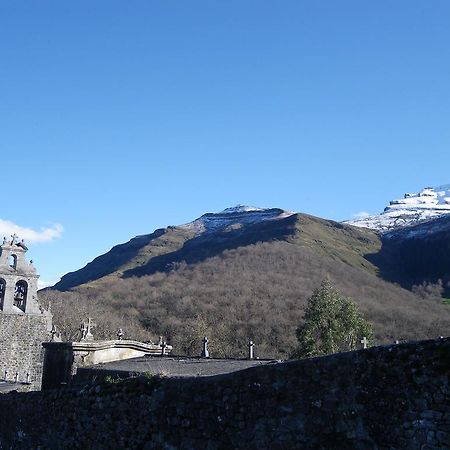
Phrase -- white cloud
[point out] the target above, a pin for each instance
(8, 228)
(43, 284)
(361, 215)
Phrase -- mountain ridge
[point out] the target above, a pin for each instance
(234, 216)
(167, 240)
(213, 233)
(247, 282)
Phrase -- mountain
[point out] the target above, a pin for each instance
(158, 251)
(417, 253)
(427, 204)
(232, 218)
(247, 273)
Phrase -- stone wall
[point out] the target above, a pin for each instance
(21, 351)
(395, 397)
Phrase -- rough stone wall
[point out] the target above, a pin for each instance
(395, 397)
(21, 351)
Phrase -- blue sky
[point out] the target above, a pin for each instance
(117, 118)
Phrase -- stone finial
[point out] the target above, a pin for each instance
(205, 351)
(83, 331)
(13, 238)
(119, 334)
(250, 349)
(56, 336)
(21, 244)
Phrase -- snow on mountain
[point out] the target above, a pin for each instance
(240, 208)
(427, 204)
(234, 218)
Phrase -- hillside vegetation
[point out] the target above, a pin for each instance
(417, 254)
(245, 283)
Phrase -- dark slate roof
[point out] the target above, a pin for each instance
(177, 366)
(7, 386)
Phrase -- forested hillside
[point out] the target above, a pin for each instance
(240, 284)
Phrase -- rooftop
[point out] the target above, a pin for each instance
(170, 366)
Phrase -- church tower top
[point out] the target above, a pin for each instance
(18, 279)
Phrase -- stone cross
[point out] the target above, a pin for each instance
(250, 349)
(205, 351)
(85, 328)
(90, 324)
(364, 342)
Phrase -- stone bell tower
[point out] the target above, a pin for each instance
(24, 325)
(18, 279)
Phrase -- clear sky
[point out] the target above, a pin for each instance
(120, 117)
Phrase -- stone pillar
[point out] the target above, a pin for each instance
(9, 296)
(205, 351)
(250, 350)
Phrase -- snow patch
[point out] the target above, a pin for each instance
(233, 218)
(240, 208)
(427, 204)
